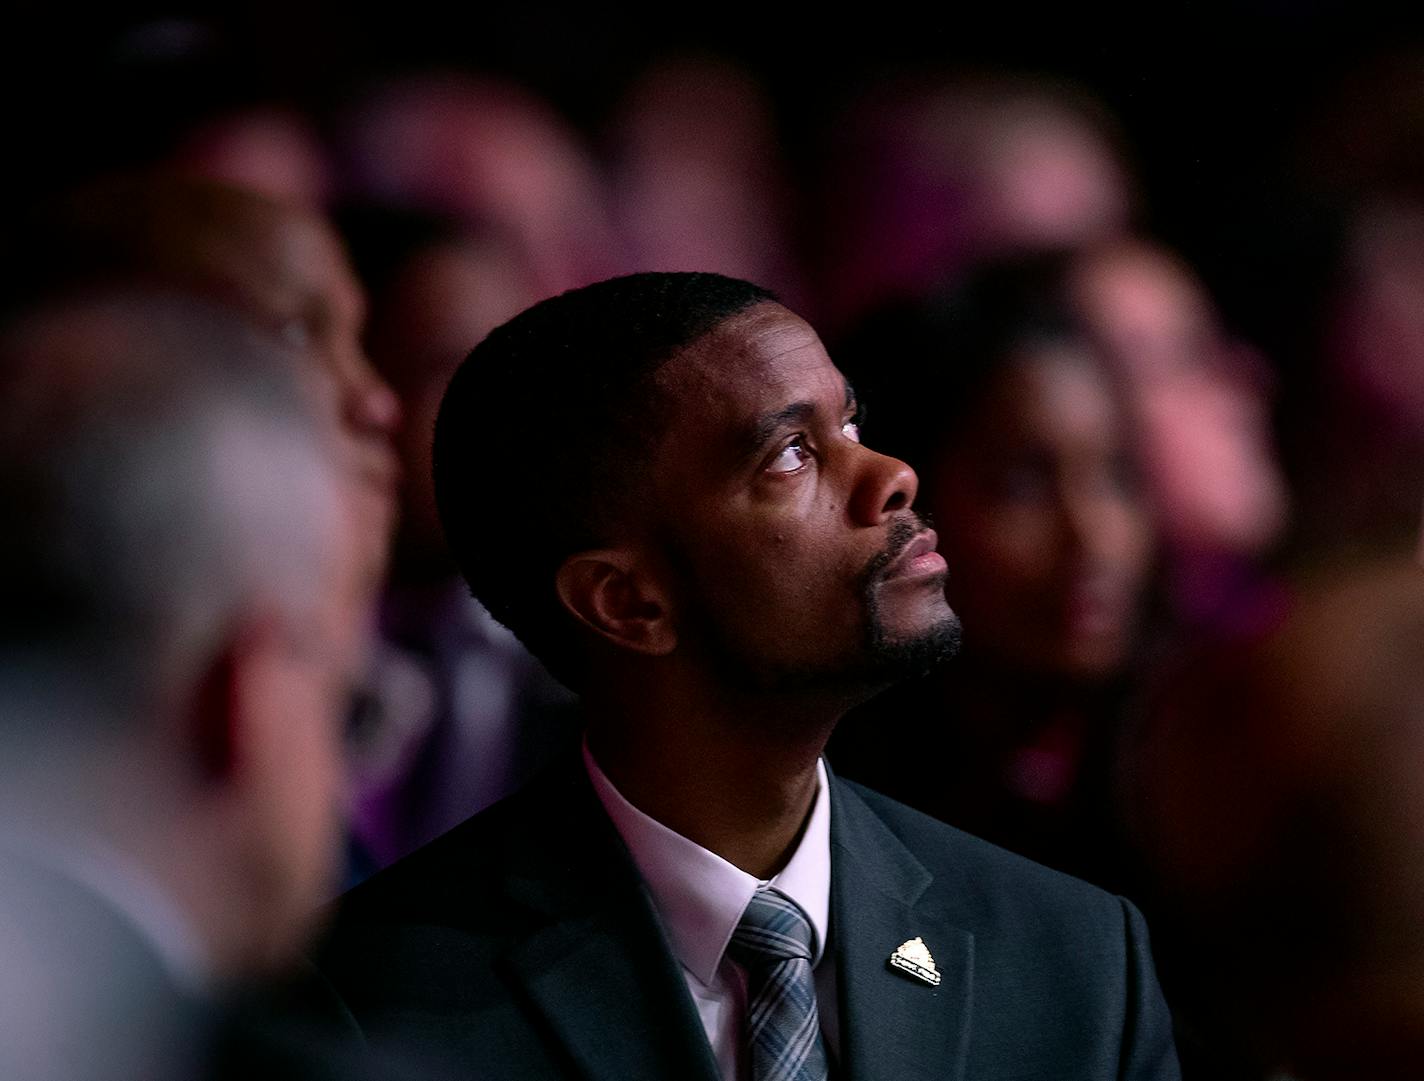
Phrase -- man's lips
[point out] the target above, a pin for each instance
(918, 559)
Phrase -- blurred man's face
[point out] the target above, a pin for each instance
(287, 270)
(313, 299)
(799, 560)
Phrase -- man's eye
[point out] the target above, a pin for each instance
(790, 458)
(851, 430)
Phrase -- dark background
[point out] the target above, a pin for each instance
(1210, 99)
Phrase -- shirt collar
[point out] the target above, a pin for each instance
(699, 896)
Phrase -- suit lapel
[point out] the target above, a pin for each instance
(893, 1027)
(598, 970)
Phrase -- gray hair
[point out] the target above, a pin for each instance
(162, 470)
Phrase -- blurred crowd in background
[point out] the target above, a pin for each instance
(1168, 423)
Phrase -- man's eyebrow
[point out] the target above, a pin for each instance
(761, 432)
(767, 426)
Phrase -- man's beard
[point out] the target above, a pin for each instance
(893, 658)
(878, 660)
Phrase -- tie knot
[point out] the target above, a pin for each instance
(772, 929)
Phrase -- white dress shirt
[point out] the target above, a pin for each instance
(700, 898)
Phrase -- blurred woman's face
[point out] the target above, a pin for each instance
(1041, 519)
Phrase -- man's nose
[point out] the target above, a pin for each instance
(885, 486)
(369, 405)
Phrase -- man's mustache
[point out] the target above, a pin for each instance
(902, 532)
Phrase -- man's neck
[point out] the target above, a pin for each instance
(741, 788)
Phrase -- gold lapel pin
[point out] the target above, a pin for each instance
(913, 958)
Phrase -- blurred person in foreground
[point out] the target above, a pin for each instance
(181, 595)
(282, 266)
(1278, 805)
(696, 539)
(1010, 413)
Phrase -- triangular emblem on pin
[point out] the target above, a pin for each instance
(913, 958)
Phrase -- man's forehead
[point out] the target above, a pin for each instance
(758, 351)
(725, 396)
(765, 330)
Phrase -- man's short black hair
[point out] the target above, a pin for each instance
(543, 435)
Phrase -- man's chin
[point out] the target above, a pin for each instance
(895, 656)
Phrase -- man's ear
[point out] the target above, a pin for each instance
(220, 714)
(610, 591)
(213, 716)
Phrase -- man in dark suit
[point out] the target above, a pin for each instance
(658, 483)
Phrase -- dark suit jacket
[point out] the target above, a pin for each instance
(84, 996)
(524, 945)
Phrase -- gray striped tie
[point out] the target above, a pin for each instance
(783, 1030)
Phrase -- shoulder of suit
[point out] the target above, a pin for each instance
(552, 814)
(983, 874)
